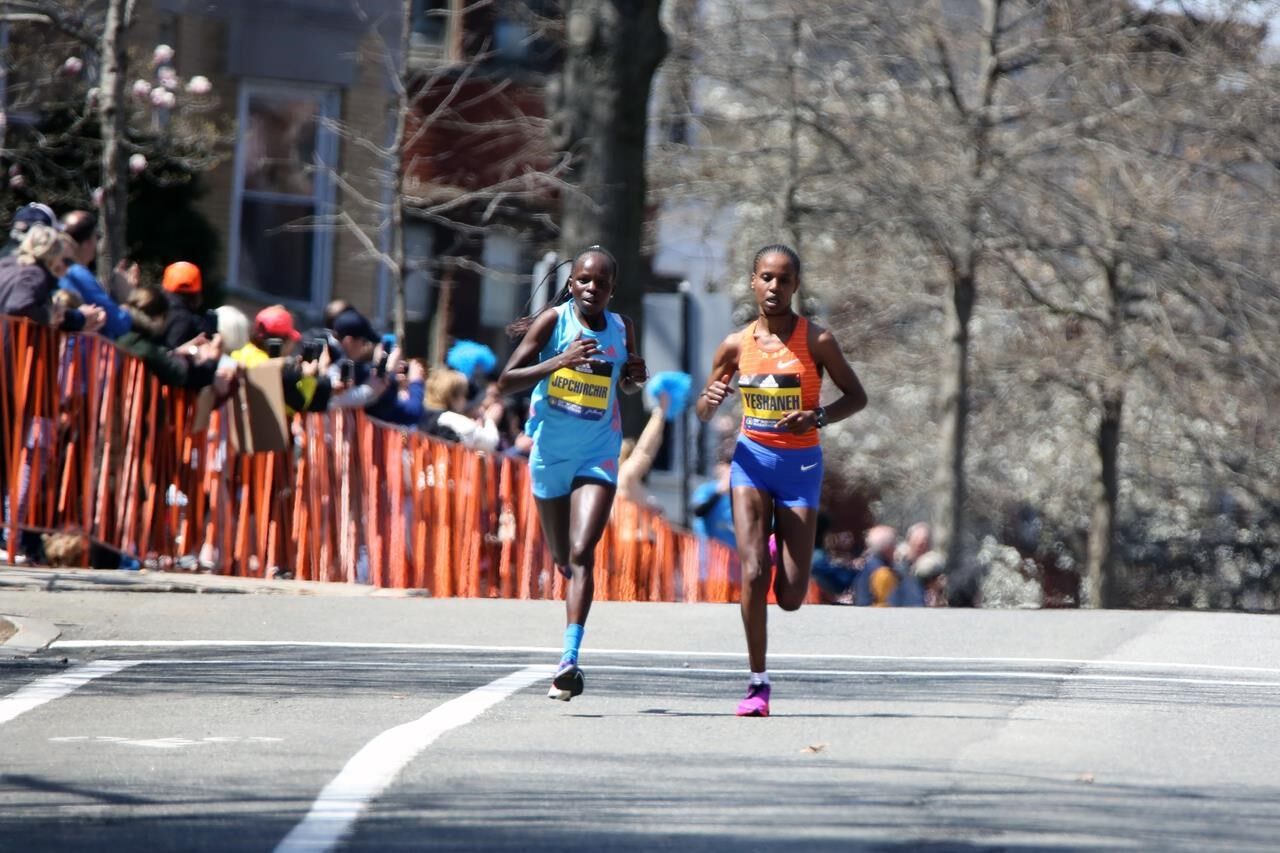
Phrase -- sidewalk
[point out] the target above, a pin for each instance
(114, 580)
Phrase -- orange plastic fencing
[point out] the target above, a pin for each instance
(91, 443)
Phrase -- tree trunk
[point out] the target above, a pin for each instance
(113, 120)
(950, 486)
(613, 49)
(1100, 565)
(396, 168)
(1104, 586)
(443, 316)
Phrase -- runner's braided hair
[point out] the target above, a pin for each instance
(517, 329)
(780, 249)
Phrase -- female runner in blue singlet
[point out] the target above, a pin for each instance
(576, 354)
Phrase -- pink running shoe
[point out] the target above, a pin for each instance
(756, 703)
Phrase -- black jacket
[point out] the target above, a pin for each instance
(144, 341)
(182, 322)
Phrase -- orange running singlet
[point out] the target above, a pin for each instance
(774, 384)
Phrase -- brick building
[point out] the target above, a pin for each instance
(307, 88)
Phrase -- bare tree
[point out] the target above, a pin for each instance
(114, 51)
(951, 151)
(612, 50)
(440, 106)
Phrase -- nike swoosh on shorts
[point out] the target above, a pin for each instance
(809, 467)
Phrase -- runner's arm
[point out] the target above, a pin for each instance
(523, 372)
(723, 367)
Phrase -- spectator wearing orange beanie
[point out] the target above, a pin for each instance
(184, 288)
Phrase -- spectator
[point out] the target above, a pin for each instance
(401, 402)
(81, 227)
(447, 394)
(64, 301)
(191, 365)
(930, 572)
(513, 440)
(877, 580)
(352, 376)
(834, 577)
(712, 509)
(637, 455)
(916, 544)
(331, 312)
(184, 285)
(306, 388)
(909, 592)
(29, 277)
(34, 213)
(233, 327)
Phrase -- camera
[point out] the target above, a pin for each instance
(275, 347)
(347, 371)
(312, 349)
(209, 323)
(388, 344)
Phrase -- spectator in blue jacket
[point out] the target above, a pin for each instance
(82, 227)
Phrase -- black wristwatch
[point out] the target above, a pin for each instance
(820, 417)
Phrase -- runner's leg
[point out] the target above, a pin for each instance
(752, 525)
(797, 527)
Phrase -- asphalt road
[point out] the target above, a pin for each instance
(232, 722)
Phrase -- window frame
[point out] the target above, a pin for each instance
(328, 101)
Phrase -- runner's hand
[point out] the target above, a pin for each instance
(801, 421)
(579, 352)
(717, 391)
(635, 370)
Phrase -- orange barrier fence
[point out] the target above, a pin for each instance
(91, 443)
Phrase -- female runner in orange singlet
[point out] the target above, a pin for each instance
(776, 475)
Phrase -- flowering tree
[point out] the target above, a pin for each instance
(76, 133)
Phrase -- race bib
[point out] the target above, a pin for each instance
(766, 397)
(581, 391)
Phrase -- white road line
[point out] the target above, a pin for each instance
(650, 653)
(373, 768)
(52, 687)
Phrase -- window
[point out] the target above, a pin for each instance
(283, 156)
(503, 288)
(430, 25)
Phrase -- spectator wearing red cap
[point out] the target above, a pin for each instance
(306, 389)
(184, 287)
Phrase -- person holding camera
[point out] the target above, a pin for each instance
(306, 385)
(193, 364)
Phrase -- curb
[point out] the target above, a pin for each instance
(106, 580)
(32, 635)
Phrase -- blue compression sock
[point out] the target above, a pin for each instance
(572, 642)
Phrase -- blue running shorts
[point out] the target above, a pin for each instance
(553, 478)
(793, 477)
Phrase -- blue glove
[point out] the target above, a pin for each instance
(675, 385)
(466, 356)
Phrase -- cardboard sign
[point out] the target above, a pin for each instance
(257, 411)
